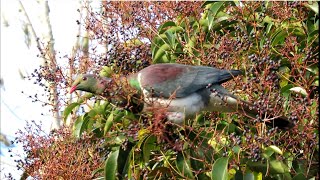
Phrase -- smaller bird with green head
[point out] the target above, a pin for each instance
(183, 90)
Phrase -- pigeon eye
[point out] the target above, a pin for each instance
(84, 78)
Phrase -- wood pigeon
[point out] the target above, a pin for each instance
(183, 90)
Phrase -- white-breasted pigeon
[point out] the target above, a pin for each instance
(183, 90)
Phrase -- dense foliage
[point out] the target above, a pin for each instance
(275, 43)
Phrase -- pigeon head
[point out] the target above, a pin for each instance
(90, 83)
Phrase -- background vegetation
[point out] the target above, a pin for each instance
(275, 43)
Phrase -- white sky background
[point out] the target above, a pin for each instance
(16, 108)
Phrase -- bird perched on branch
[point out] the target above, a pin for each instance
(183, 90)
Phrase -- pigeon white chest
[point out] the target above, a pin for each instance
(177, 109)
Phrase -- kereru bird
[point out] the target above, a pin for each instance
(183, 90)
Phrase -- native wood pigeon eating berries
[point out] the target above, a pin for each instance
(183, 90)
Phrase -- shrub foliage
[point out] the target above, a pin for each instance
(275, 43)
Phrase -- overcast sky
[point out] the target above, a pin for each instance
(17, 108)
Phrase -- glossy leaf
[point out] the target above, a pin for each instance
(92, 113)
(171, 38)
(195, 163)
(257, 166)
(257, 175)
(80, 125)
(68, 110)
(267, 153)
(285, 75)
(183, 165)
(299, 176)
(212, 12)
(163, 27)
(159, 55)
(278, 167)
(108, 124)
(206, 4)
(279, 37)
(285, 91)
(274, 167)
(220, 169)
(124, 159)
(299, 90)
(148, 146)
(275, 149)
(175, 29)
(313, 5)
(111, 164)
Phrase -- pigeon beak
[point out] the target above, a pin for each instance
(73, 88)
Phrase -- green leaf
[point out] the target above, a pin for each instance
(111, 166)
(133, 42)
(275, 149)
(68, 110)
(285, 91)
(175, 29)
(196, 162)
(288, 159)
(238, 175)
(204, 24)
(171, 38)
(268, 152)
(220, 169)
(275, 167)
(257, 166)
(269, 26)
(92, 113)
(257, 175)
(148, 146)
(249, 176)
(299, 166)
(299, 176)
(119, 115)
(316, 82)
(279, 37)
(314, 6)
(159, 55)
(106, 71)
(299, 90)
(84, 97)
(183, 166)
(212, 12)
(284, 75)
(99, 170)
(164, 25)
(124, 160)
(108, 124)
(236, 149)
(80, 125)
(157, 43)
(313, 69)
(207, 3)
(77, 126)
(278, 167)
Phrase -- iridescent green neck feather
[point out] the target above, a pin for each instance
(133, 81)
(90, 83)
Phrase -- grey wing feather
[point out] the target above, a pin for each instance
(204, 76)
(194, 79)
